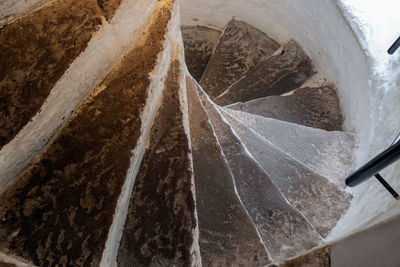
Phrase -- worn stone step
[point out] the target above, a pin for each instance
(61, 208)
(105, 49)
(161, 224)
(35, 52)
(317, 107)
(320, 201)
(329, 154)
(276, 75)
(284, 230)
(227, 237)
(240, 48)
(200, 43)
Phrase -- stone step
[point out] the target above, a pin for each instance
(276, 75)
(316, 107)
(320, 201)
(284, 231)
(227, 237)
(35, 52)
(105, 49)
(240, 48)
(329, 154)
(161, 224)
(60, 210)
(200, 43)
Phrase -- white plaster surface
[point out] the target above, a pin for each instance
(376, 24)
(104, 51)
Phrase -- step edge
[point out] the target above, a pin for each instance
(156, 88)
(289, 156)
(229, 168)
(259, 166)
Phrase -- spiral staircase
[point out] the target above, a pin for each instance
(138, 141)
(271, 168)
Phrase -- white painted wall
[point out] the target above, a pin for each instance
(376, 25)
(332, 37)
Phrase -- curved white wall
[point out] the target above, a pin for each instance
(338, 54)
(375, 23)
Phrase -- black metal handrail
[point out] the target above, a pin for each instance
(394, 46)
(374, 166)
